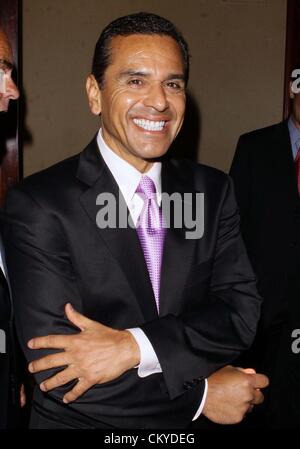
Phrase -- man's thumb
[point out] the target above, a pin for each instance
(76, 318)
(260, 381)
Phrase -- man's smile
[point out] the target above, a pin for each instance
(150, 125)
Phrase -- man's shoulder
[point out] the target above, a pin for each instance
(266, 133)
(58, 173)
(64, 174)
(47, 185)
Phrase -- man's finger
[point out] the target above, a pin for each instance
(22, 396)
(258, 397)
(48, 362)
(50, 342)
(59, 379)
(80, 321)
(260, 381)
(245, 370)
(81, 387)
(249, 370)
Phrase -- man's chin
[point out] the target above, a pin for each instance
(154, 153)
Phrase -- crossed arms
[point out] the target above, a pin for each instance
(99, 354)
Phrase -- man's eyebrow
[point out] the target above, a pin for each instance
(8, 65)
(133, 73)
(171, 76)
(175, 76)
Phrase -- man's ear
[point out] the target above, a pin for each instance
(94, 95)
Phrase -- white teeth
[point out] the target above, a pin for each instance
(149, 125)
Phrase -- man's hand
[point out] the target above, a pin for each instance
(233, 392)
(95, 355)
(22, 396)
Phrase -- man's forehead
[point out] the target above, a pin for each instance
(137, 46)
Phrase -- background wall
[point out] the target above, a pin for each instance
(236, 82)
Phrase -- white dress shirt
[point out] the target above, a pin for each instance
(128, 178)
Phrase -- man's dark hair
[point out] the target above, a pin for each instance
(139, 23)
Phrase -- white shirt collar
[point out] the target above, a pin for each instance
(127, 176)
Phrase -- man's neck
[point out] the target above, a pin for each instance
(295, 122)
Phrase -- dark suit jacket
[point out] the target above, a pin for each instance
(209, 303)
(8, 375)
(265, 183)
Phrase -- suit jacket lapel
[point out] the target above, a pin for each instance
(123, 243)
(178, 251)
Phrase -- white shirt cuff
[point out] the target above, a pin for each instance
(149, 363)
(199, 411)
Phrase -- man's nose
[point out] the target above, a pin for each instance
(157, 98)
(12, 92)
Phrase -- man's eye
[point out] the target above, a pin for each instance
(135, 82)
(175, 86)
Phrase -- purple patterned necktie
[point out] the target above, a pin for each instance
(151, 233)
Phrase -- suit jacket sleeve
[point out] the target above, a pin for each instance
(41, 275)
(193, 345)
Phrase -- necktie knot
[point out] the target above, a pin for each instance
(146, 187)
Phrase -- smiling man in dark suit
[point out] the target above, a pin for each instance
(266, 173)
(165, 311)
